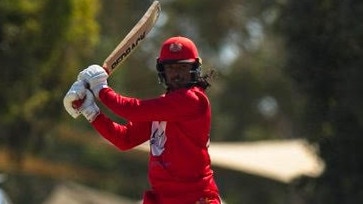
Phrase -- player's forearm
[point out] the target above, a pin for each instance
(124, 137)
(120, 105)
(113, 132)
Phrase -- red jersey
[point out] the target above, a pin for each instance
(177, 125)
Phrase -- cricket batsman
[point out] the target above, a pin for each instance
(177, 124)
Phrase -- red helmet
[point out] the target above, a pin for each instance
(178, 50)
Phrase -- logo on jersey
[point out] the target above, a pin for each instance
(157, 138)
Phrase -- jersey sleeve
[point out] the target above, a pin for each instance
(180, 105)
(124, 137)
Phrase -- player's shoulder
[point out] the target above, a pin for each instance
(192, 91)
(190, 94)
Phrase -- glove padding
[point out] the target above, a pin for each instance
(77, 92)
(89, 108)
(96, 77)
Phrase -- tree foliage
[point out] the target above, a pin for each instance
(42, 43)
(324, 41)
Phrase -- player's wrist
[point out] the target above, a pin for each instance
(96, 90)
(91, 112)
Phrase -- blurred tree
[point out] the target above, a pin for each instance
(325, 41)
(41, 43)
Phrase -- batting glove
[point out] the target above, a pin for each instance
(77, 92)
(96, 77)
(89, 108)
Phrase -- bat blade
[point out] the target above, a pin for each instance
(133, 38)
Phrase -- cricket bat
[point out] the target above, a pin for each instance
(130, 42)
(133, 38)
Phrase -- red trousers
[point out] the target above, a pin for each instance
(151, 197)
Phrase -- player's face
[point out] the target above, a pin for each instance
(177, 75)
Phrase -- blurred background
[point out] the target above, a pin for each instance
(287, 70)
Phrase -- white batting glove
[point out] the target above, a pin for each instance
(89, 108)
(77, 92)
(96, 77)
